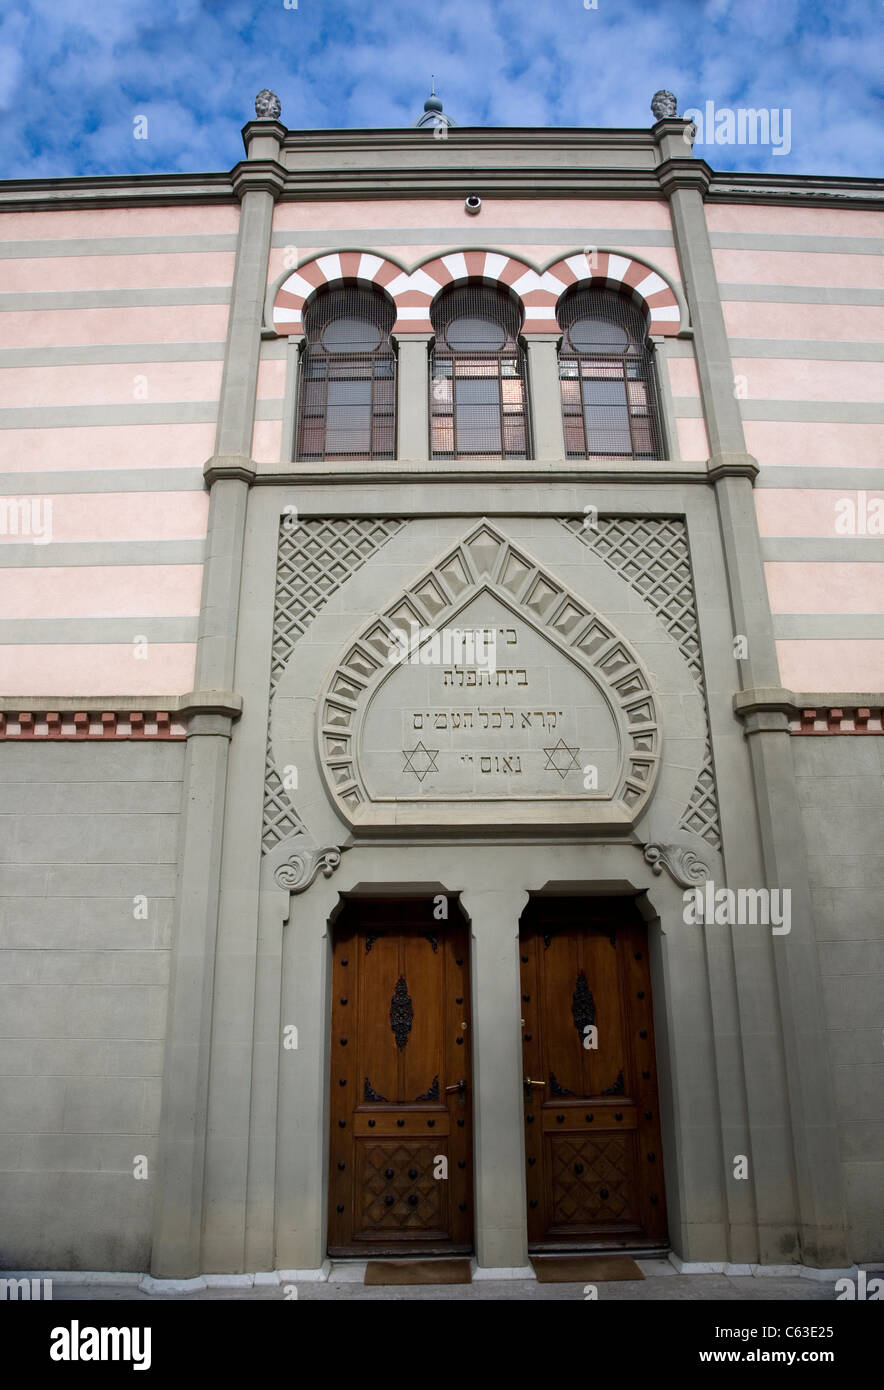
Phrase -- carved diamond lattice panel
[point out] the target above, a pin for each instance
(592, 1181)
(652, 555)
(702, 814)
(379, 1158)
(314, 558)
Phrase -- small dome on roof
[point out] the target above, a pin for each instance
(433, 117)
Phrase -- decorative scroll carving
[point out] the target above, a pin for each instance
(433, 1092)
(371, 1095)
(582, 1004)
(683, 865)
(401, 1013)
(433, 940)
(556, 1088)
(618, 1087)
(371, 939)
(300, 869)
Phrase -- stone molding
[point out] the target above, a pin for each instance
(811, 714)
(498, 174)
(257, 175)
(238, 466)
(125, 717)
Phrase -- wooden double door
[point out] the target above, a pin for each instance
(592, 1124)
(401, 1131)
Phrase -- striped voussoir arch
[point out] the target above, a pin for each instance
(614, 272)
(413, 292)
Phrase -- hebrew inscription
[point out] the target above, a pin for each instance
(510, 689)
(412, 733)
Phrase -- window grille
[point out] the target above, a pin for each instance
(477, 376)
(347, 389)
(609, 391)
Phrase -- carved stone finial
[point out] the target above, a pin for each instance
(664, 104)
(267, 105)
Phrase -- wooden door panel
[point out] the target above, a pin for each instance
(401, 1169)
(399, 1049)
(592, 1129)
(593, 1183)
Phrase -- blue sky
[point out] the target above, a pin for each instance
(75, 74)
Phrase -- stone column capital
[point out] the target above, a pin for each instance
(263, 139)
(528, 340)
(257, 176)
(674, 174)
(420, 337)
(732, 465)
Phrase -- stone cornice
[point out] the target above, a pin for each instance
(334, 164)
(116, 190)
(475, 138)
(789, 189)
(489, 180)
(194, 702)
(345, 473)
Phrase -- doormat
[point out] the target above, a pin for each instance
(418, 1272)
(573, 1269)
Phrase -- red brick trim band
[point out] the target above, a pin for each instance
(92, 724)
(837, 720)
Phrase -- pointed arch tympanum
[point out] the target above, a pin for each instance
(559, 728)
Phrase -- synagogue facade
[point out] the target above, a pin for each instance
(441, 723)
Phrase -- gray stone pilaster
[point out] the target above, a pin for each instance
(498, 1100)
(545, 395)
(178, 1219)
(799, 1053)
(412, 396)
(668, 421)
(289, 450)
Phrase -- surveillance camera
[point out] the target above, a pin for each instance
(473, 204)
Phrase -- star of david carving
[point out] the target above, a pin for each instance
(420, 760)
(561, 759)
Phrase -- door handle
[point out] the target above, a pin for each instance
(459, 1086)
(526, 1081)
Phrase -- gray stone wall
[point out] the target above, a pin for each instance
(841, 799)
(84, 829)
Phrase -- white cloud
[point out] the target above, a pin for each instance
(74, 73)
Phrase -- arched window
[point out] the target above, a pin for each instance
(477, 376)
(609, 395)
(347, 390)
